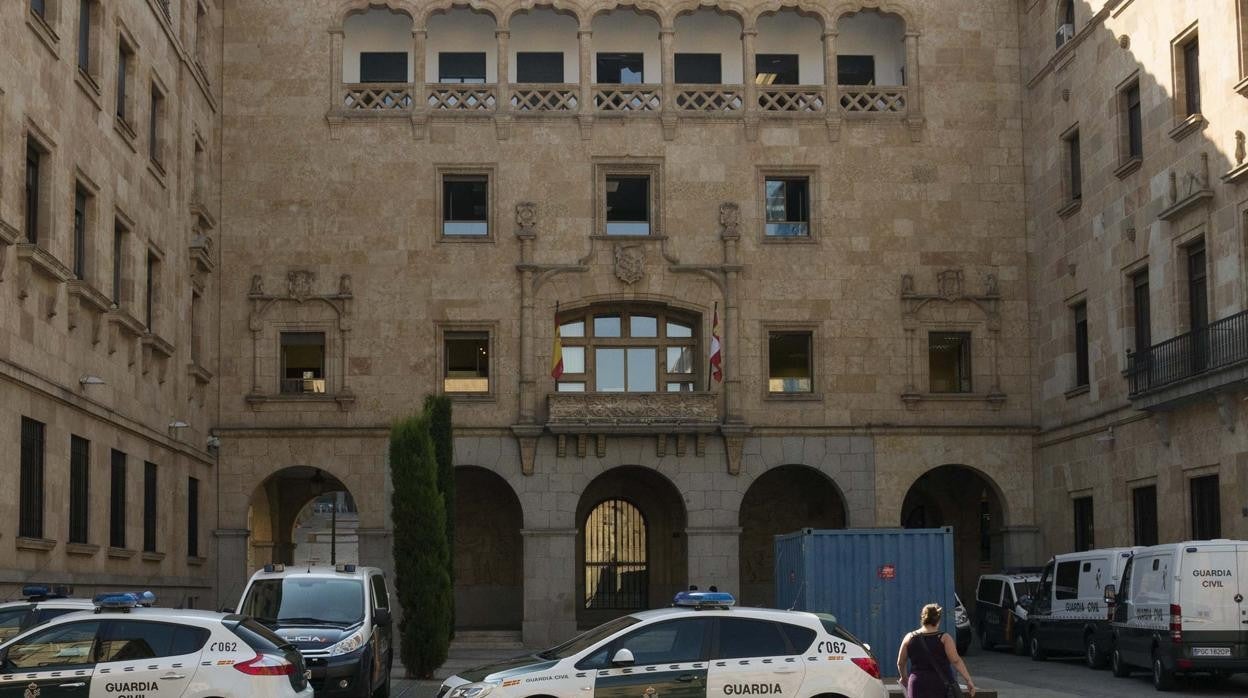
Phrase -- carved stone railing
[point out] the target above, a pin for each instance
(545, 97)
(710, 99)
(856, 99)
(377, 96)
(631, 411)
(791, 98)
(628, 98)
(462, 98)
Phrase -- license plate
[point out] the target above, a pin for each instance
(1211, 651)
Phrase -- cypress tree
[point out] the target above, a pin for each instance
(421, 550)
(438, 409)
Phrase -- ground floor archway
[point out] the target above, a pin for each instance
(489, 552)
(781, 500)
(632, 552)
(969, 502)
(303, 515)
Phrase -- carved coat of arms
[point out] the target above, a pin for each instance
(526, 217)
(949, 284)
(729, 218)
(299, 284)
(630, 263)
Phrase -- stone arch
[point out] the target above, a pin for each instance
(886, 7)
(973, 504)
(665, 570)
(805, 8)
(274, 509)
(684, 7)
(355, 7)
(563, 7)
(646, 7)
(493, 9)
(781, 500)
(488, 551)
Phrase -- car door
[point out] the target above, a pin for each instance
(1041, 614)
(381, 631)
(753, 656)
(53, 662)
(1005, 613)
(669, 661)
(146, 657)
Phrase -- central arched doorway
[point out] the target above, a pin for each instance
(631, 546)
(782, 500)
(302, 515)
(970, 502)
(489, 552)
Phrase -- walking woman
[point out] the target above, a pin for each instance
(932, 655)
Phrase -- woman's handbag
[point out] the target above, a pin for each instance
(952, 688)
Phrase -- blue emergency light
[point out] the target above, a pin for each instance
(39, 592)
(276, 567)
(349, 569)
(123, 600)
(704, 599)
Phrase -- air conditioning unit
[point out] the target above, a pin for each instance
(1065, 33)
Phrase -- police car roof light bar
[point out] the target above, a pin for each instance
(115, 601)
(704, 599)
(342, 567)
(275, 567)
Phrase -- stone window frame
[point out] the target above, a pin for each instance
(124, 296)
(450, 327)
(944, 328)
(650, 167)
(159, 151)
(1129, 488)
(1180, 246)
(333, 368)
(1184, 123)
(158, 296)
(1127, 162)
(45, 27)
(1127, 325)
(91, 79)
(1070, 338)
(125, 127)
(47, 231)
(1076, 496)
(94, 221)
(487, 170)
(813, 225)
(816, 375)
(1070, 204)
(662, 313)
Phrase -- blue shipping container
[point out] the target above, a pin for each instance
(875, 581)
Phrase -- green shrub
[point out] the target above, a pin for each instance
(438, 409)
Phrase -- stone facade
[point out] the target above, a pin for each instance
(127, 366)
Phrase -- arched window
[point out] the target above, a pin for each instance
(616, 561)
(620, 350)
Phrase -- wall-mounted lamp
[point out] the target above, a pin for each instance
(90, 380)
(178, 424)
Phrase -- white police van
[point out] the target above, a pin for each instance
(337, 617)
(123, 649)
(704, 647)
(42, 604)
(1069, 614)
(1181, 608)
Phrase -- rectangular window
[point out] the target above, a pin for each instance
(621, 68)
(539, 66)
(465, 205)
(1075, 172)
(461, 67)
(949, 362)
(201, 31)
(39, 7)
(467, 356)
(155, 119)
(776, 69)
(152, 286)
(628, 205)
(192, 517)
(383, 66)
(303, 362)
(124, 59)
(30, 514)
(787, 206)
(1197, 287)
(1206, 508)
(1141, 311)
(81, 199)
(149, 507)
(789, 362)
(1133, 121)
(117, 501)
(698, 69)
(1084, 538)
(1066, 579)
(197, 330)
(79, 487)
(1082, 372)
(34, 195)
(855, 70)
(1191, 76)
(1144, 514)
(84, 36)
(119, 260)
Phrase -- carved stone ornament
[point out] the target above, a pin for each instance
(299, 284)
(949, 283)
(907, 285)
(526, 217)
(344, 285)
(1124, 41)
(641, 408)
(257, 286)
(730, 219)
(992, 287)
(630, 263)
(1240, 153)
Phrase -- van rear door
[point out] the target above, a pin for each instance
(1209, 583)
(1241, 552)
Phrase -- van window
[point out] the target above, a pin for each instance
(380, 598)
(1125, 590)
(990, 591)
(1066, 583)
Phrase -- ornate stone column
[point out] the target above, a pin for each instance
(420, 105)
(335, 69)
(831, 83)
(667, 76)
(914, 95)
(549, 585)
(749, 69)
(584, 37)
(502, 105)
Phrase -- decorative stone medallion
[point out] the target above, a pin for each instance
(949, 284)
(630, 263)
(299, 284)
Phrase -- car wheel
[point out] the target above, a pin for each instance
(1118, 667)
(1035, 649)
(1163, 678)
(1092, 652)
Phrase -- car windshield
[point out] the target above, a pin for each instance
(1027, 588)
(588, 638)
(305, 600)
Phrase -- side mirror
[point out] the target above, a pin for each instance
(623, 657)
(381, 616)
(1111, 594)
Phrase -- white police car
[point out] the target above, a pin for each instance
(122, 649)
(702, 648)
(43, 603)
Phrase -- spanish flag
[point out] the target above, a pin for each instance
(717, 355)
(556, 352)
